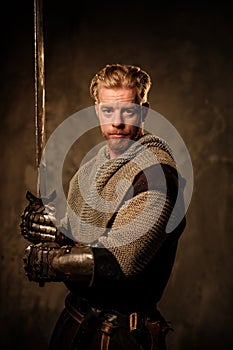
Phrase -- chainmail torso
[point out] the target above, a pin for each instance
(105, 212)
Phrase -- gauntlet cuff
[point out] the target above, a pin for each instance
(74, 264)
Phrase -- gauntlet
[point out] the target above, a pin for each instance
(37, 222)
(48, 262)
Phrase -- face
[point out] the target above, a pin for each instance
(120, 118)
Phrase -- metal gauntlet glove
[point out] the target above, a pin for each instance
(48, 262)
(37, 225)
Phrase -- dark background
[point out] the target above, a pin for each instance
(187, 49)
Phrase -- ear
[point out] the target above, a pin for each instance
(145, 110)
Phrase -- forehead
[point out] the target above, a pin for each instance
(120, 94)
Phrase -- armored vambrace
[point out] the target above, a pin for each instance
(37, 222)
(48, 262)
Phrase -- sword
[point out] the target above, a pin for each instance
(39, 80)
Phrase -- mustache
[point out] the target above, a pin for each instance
(117, 133)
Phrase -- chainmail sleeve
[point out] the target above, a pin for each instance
(139, 227)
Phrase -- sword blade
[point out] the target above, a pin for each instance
(39, 79)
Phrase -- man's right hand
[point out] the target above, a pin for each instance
(37, 222)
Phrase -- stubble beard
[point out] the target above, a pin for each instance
(120, 145)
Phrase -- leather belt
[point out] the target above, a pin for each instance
(106, 327)
(157, 329)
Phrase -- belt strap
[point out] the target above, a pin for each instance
(154, 330)
(78, 316)
(105, 339)
(157, 331)
(107, 329)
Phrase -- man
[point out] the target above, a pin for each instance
(118, 255)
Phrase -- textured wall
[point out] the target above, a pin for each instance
(188, 51)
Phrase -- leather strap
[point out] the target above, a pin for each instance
(78, 316)
(107, 329)
(105, 339)
(158, 334)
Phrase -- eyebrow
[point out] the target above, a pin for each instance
(114, 105)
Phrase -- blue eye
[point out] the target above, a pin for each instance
(107, 111)
(129, 112)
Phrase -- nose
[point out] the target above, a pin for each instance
(118, 121)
